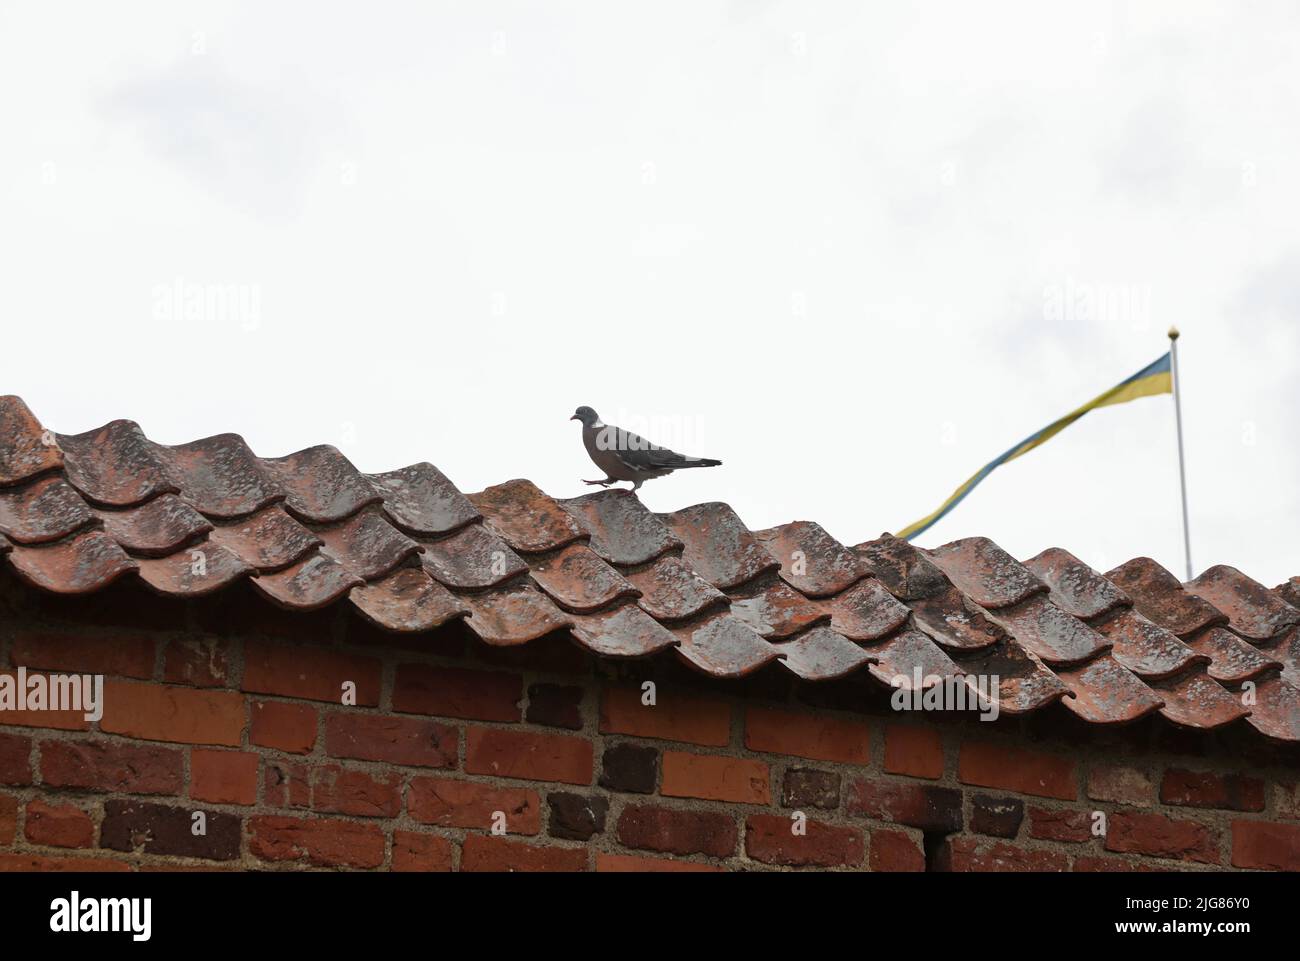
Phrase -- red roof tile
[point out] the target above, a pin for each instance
(410, 552)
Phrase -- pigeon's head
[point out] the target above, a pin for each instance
(588, 416)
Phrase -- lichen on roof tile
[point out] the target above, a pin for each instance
(1253, 610)
(203, 568)
(320, 484)
(1159, 596)
(528, 519)
(84, 562)
(116, 465)
(26, 448)
(220, 477)
(1048, 631)
(718, 546)
(579, 580)
(1232, 660)
(623, 531)
(776, 611)
(47, 509)
(812, 561)
(985, 572)
(408, 600)
(421, 500)
(671, 590)
(908, 573)
(723, 646)
(624, 631)
(155, 528)
(866, 611)
(822, 655)
(367, 545)
(269, 540)
(1075, 587)
(473, 557)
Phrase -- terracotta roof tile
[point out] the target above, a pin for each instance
(411, 553)
(1147, 649)
(312, 582)
(513, 614)
(622, 530)
(822, 654)
(626, 631)
(908, 573)
(204, 569)
(1254, 611)
(1195, 700)
(718, 546)
(116, 465)
(1105, 692)
(866, 611)
(408, 600)
(1232, 660)
(267, 541)
(46, 510)
(473, 557)
(1158, 595)
(986, 573)
(25, 446)
(812, 561)
(1076, 587)
(579, 580)
(85, 562)
(777, 611)
(320, 484)
(156, 528)
(723, 646)
(421, 500)
(1049, 632)
(671, 590)
(529, 520)
(956, 622)
(367, 545)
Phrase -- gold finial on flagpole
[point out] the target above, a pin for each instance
(1173, 333)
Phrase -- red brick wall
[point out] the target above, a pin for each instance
(232, 708)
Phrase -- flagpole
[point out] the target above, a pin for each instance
(1182, 469)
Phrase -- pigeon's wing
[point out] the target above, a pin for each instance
(639, 454)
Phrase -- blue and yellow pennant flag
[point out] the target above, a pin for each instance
(1156, 378)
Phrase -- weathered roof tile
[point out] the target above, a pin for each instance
(622, 530)
(26, 448)
(811, 560)
(718, 546)
(990, 576)
(1076, 587)
(528, 519)
(1253, 610)
(1157, 595)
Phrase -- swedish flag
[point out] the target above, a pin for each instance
(1155, 378)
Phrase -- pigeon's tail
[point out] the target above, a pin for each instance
(701, 462)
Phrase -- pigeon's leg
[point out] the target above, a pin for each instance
(636, 485)
(601, 483)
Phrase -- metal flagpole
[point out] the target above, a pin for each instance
(1182, 469)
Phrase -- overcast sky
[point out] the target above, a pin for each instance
(854, 251)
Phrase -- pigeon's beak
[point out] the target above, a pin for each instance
(574, 417)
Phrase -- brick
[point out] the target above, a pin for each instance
(895, 851)
(1017, 769)
(421, 852)
(641, 865)
(999, 817)
(715, 778)
(770, 838)
(555, 705)
(1270, 847)
(397, 740)
(1286, 798)
(339, 790)
(8, 818)
(287, 784)
(157, 829)
(59, 825)
(282, 726)
(15, 759)
(451, 803)
(1121, 784)
(458, 692)
(223, 777)
(56, 720)
(674, 716)
(1056, 825)
(678, 832)
(629, 768)
(124, 654)
(804, 787)
(576, 817)
(482, 852)
(323, 842)
(186, 715)
(197, 660)
(28, 863)
(1161, 837)
(309, 673)
(113, 766)
(914, 751)
(923, 806)
(1202, 789)
(528, 755)
(973, 854)
(807, 735)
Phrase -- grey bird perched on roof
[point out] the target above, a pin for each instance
(625, 456)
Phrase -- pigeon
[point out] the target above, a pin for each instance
(624, 456)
